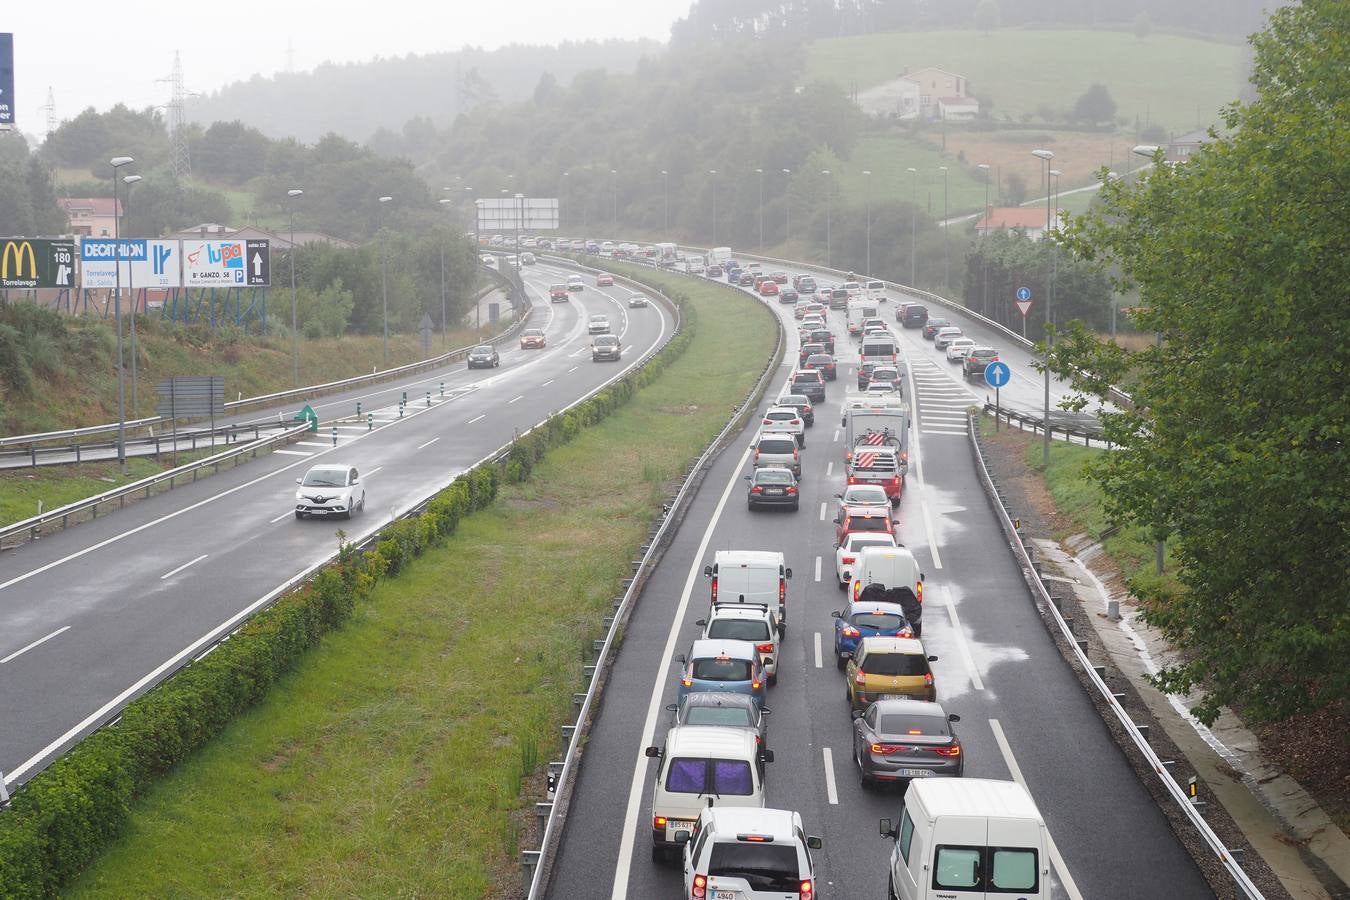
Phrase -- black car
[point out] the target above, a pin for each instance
(897, 739)
(714, 271)
(484, 357)
(865, 375)
(746, 279)
(772, 487)
(733, 274)
(914, 316)
(802, 404)
(822, 336)
(930, 328)
(787, 295)
(810, 383)
(807, 349)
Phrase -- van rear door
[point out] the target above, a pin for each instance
(1015, 858)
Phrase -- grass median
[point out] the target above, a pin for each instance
(391, 762)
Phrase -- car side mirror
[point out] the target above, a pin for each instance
(839, 496)
(814, 842)
(299, 480)
(672, 707)
(857, 714)
(701, 622)
(953, 718)
(922, 576)
(768, 756)
(681, 659)
(356, 481)
(788, 572)
(836, 614)
(887, 830)
(682, 837)
(765, 711)
(748, 478)
(707, 571)
(932, 659)
(653, 752)
(838, 521)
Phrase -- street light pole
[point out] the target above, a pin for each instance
(129, 180)
(665, 204)
(984, 254)
(384, 281)
(444, 201)
(787, 204)
(291, 195)
(867, 189)
(914, 229)
(1045, 156)
(118, 162)
(713, 173)
(614, 200)
(829, 199)
(761, 209)
(946, 234)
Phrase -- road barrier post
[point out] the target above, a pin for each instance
(428, 398)
(370, 421)
(358, 409)
(442, 389)
(334, 435)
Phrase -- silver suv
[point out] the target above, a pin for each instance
(778, 450)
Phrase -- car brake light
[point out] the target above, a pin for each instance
(808, 889)
(796, 421)
(782, 589)
(700, 886)
(860, 678)
(895, 482)
(948, 751)
(687, 681)
(850, 631)
(768, 421)
(714, 589)
(757, 490)
(886, 748)
(791, 489)
(857, 589)
(658, 822)
(928, 678)
(905, 632)
(754, 685)
(918, 591)
(850, 560)
(794, 452)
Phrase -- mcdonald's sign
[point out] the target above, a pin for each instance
(26, 263)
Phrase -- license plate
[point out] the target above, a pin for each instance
(773, 490)
(680, 825)
(726, 895)
(914, 773)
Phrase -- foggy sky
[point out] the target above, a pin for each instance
(100, 54)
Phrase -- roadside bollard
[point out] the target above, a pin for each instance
(405, 396)
(442, 388)
(428, 398)
(334, 435)
(400, 408)
(370, 421)
(358, 409)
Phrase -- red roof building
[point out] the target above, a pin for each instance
(1029, 219)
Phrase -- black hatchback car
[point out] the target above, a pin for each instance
(915, 316)
(930, 328)
(802, 404)
(484, 356)
(810, 383)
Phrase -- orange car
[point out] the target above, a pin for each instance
(532, 339)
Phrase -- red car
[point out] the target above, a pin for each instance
(604, 280)
(779, 277)
(864, 519)
(768, 288)
(532, 339)
(557, 293)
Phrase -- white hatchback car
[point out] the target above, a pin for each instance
(785, 420)
(598, 324)
(329, 490)
(956, 349)
(945, 335)
(636, 301)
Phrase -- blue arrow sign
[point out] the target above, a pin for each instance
(1024, 293)
(997, 374)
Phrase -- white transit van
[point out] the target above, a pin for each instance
(880, 348)
(750, 576)
(858, 310)
(876, 290)
(702, 766)
(966, 838)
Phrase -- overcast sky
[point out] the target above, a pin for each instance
(101, 54)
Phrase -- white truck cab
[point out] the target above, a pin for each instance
(967, 838)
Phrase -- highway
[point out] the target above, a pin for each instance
(93, 616)
(1023, 713)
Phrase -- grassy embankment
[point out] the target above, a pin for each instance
(391, 763)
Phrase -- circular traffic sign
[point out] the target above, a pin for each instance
(1024, 293)
(997, 374)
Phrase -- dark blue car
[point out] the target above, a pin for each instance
(862, 619)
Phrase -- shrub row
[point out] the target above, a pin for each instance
(69, 812)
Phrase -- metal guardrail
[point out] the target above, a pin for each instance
(234, 406)
(1094, 674)
(1035, 425)
(562, 781)
(189, 436)
(34, 524)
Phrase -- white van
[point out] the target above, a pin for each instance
(876, 290)
(880, 348)
(702, 766)
(968, 837)
(890, 567)
(857, 311)
(750, 576)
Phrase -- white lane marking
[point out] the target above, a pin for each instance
(293, 452)
(831, 792)
(918, 476)
(819, 662)
(514, 399)
(624, 862)
(285, 515)
(817, 568)
(829, 469)
(313, 444)
(41, 640)
(579, 352)
(476, 419)
(428, 443)
(822, 512)
(836, 435)
(941, 431)
(573, 369)
(961, 644)
(547, 383)
(173, 572)
(374, 471)
(1061, 869)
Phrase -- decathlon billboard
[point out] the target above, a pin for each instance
(145, 264)
(236, 263)
(26, 263)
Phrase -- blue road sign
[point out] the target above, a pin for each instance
(1024, 293)
(997, 374)
(7, 80)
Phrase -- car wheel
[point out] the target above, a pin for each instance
(796, 506)
(299, 514)
(848, 694)
(750, 506)
(840, 661)
(773, 679)
(658, 855)
(363, 501)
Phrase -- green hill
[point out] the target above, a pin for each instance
(1178, 83)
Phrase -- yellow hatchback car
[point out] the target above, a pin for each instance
(888, 667)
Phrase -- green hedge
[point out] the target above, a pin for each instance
(69, 812)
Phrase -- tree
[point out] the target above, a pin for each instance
(1235, 446)
(1015, 189)
(987, 16)
(1095, 105)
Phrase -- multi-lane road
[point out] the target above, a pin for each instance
(93, 616)
(1023, 713)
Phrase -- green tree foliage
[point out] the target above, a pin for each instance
(1237, 447)
(27, 195)
(92, 138)
(324, 312)
(1012, 260)
(1094, 106)
(229, 152)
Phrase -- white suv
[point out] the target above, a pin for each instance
(784, 420)
(753, 622)
(748, 854)
(598, 324)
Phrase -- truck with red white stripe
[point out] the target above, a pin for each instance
(874, 424)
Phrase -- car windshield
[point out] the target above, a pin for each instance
(777, 445)
(860, 523)
(819, 359)
(722, 669)
(895, 664)
(739, 629)
(733, 716)
(606, 341)
(769, 476)
(868, 496)
(326, 478)
(904, 724)
(879, 621)
(482, 350)
(765, 867)
(533, 332)
(781, 416)
(597, 318)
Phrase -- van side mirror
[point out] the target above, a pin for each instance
(836, 614)
(653, 752)
(672, 707)
(768, 756)
(701, 622)
(682, 659)
(814, 842)
(932, 659)
(788, 572)
(681, 837)
(707, 571)
(887, 830)
(953, 718)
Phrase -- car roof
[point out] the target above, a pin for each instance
(877, 538)
(856, 606)
(787, 399)
(748, 557)
(720, 698)
(776, 469)
(782, 408)
(910, 707)
(687, 740)
(907, 646)
(865, 512)
(707, 648)
(739, 611)
(730, 822)
(330, 467)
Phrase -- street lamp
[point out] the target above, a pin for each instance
(713, 173)
(384, 280)
(445, 201)
(665, 206)
(828, 213)
(1045, 156)
(563, 206)
(118, 162)
(129, 180)
(787, 203)
(984, 252)
(761, 209)
(914, 227)
(946, 234)
(291, 196)
(867, 189)
(614, 200)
